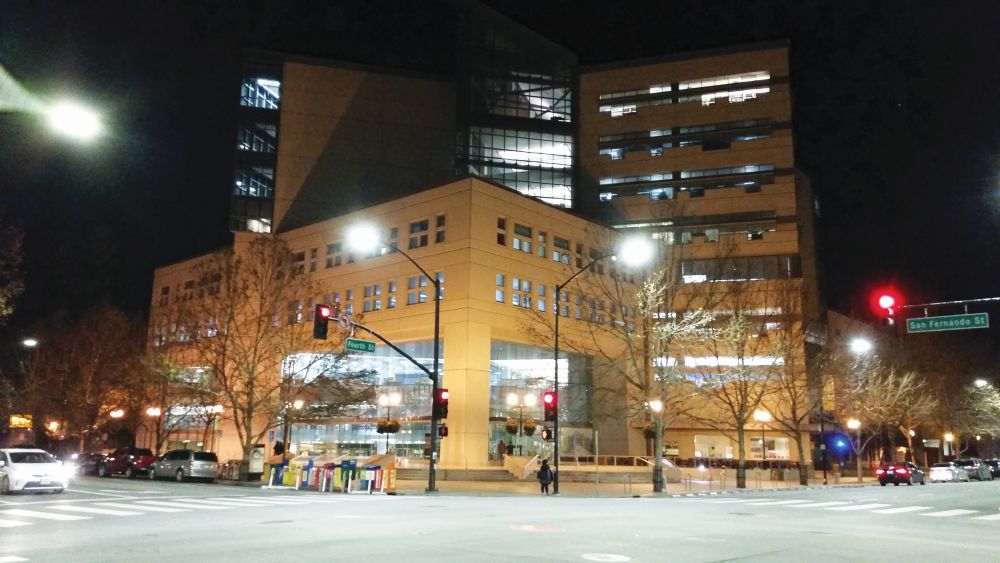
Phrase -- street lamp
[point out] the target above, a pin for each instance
(29, 342)
(656, 406)
(117, 413)
(633, 251)
(74, 121)
(154, 413)
(763, 417)
(855, 424)
(514, 400)
(365, 238)
(388, 400)
(297, 404)
(980, 383)
(860, 345)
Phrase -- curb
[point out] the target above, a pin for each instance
(765, 491)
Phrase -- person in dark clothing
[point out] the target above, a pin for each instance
(545, 476)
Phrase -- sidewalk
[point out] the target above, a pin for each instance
(509, 488)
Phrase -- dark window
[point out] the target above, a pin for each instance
(440, 220)
(501, 223)
(205, 456)
(502, 239)
(439, 236)
(419, 226)
(522, 230)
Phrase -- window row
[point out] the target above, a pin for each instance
(744, 268)
(521, 240)
(713, 136)
(522, 295)
(665, 94)
(260, 93)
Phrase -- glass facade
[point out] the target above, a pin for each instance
(522, 371)
(355, 432)
(516, 106)
(252, 192)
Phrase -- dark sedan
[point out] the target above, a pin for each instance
(900, 472)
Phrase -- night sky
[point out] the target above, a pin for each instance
(896, 121)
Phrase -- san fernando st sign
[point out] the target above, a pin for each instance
(950, 322)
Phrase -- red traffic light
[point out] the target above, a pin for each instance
(886, 301)
(324, 311)
(549, 397)
(443, 394)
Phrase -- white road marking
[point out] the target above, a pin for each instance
(13, 523)
(734, 500)
(227, 503)
(11, 559)
(858, 507)
(143, 508)
(819, 504)
(988, 517)
(92, 510)
(42, 515)
(250, 502)
(901, 510)
(103, 494)
(178, 504)
(947, 513)
(778, 502)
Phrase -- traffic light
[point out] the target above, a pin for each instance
(884, 301)
(442, 431)
(551, 405)
(321, 318)
(441, 404)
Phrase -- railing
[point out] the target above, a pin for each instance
(607, 460)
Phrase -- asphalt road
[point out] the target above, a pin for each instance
(121, 520)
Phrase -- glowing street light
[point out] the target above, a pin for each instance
(860, 346)
(117, 413)
(656, 405)
(29, 342)
(74, 121)
(980, 383)
(297, 404)
(154, 411)
(53, 425)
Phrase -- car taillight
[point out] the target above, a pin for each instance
(902, 470)
(879, 471)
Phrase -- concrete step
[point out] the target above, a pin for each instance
(485, 474)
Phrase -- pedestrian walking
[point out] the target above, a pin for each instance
(544, 476)
(501, 450)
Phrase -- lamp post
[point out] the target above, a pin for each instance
(154, 413)
(948, 437)
(514, 400)
(656, 406)
(855, 424)
(367, 238)
(762, 417)
(634, 251)
(388, 400)
(297, 404)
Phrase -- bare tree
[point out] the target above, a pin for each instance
(249, 326)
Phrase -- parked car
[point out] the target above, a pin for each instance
(31, 469)
(976, 468)
(185, 464)
(127, 461)
(87, 464)
(900, 472)
(948, 471)
(994, 465)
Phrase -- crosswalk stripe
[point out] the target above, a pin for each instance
(778, 502)
(735, 500)
(819, 504)
(92, 510)
(249, 502)
(143, 508)
(988, 517)
(42, 515)
(178, 504)
(13, 523)
(858, 507)
(947, 513)
(227, 503)
(901, 510)
(11, 559)
(291, 499)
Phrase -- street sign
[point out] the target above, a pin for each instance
(357, 345)
(950, 322)
(344, 321)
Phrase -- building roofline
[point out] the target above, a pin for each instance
(286, 56)
(688, 55)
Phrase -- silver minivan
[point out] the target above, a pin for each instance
(185, 464)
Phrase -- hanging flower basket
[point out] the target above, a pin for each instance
(649, 432)
(387, 426)
(529, 427)
(511, 426)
